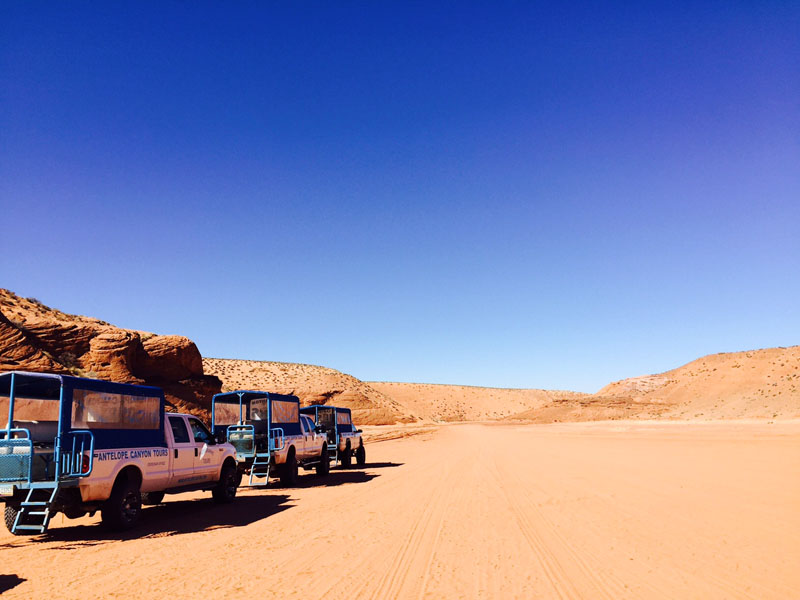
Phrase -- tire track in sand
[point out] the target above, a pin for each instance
(560, 580)
(421, 542)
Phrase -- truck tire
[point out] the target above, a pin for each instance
(10, 514)
(324, 466)
(346, 458)
(152, 498)
(289, 471)
(361, 456)
(225, 491)
(123, 509)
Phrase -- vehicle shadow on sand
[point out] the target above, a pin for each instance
(339, 476)
(8, 582)
(333, 479)
(176, 517)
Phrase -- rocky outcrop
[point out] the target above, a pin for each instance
(20, 351)
(35, 337)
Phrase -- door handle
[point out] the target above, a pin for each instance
(195, 451)
(176, 453)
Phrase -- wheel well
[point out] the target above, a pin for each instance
(347, 445)
(291, 452)
(229, 462)
(129, 473)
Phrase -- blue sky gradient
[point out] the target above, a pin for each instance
(506, 194)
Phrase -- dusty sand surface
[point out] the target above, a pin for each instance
(591, 510)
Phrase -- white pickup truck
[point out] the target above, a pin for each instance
(270, 435)
(75, 445)
(308, 449)
(344, 440)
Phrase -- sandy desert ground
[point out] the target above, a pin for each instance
(580, 510)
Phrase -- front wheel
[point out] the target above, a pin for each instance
(361, 456)
(123, 508)
(225, 491)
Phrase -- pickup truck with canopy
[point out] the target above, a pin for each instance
(75, 445)
(270, 435)
(344, 440)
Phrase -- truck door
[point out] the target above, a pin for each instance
(206, 452)
(182, 452)
(309, 441)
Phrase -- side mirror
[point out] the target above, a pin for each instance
(358, 431)
(320, 429)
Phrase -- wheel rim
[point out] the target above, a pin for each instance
(130, 507)
(230, 488)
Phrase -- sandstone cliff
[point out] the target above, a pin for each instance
(35, 337)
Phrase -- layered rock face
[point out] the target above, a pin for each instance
(34, 337)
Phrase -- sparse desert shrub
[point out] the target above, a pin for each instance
(68, 359)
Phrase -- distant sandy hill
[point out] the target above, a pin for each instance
(762, 384)
(313, 385)
(452, 403)
(741, 385)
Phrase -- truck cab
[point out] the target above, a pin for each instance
(344, 440)
(75, 445)
(270, 435)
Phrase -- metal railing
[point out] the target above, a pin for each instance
(76, 454)
(243, 439)
(16, 455)
(275, 434)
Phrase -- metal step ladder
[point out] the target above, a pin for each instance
(34, 513)
(333, 453)
(259, 470)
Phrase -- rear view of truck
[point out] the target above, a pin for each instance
(75, 446)
(269, 435)
(344, 440)
(243, 419)
(55, 426)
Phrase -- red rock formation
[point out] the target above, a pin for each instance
(34, 337)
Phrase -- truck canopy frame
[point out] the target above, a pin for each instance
(282, 411)
(119, 415)
(335, 418)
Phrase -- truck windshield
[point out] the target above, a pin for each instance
(285, 412)
(259, 409)
(226, 413)
(29, 409)
(325, 418)
(104, 410)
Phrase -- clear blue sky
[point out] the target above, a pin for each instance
(506, 195)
